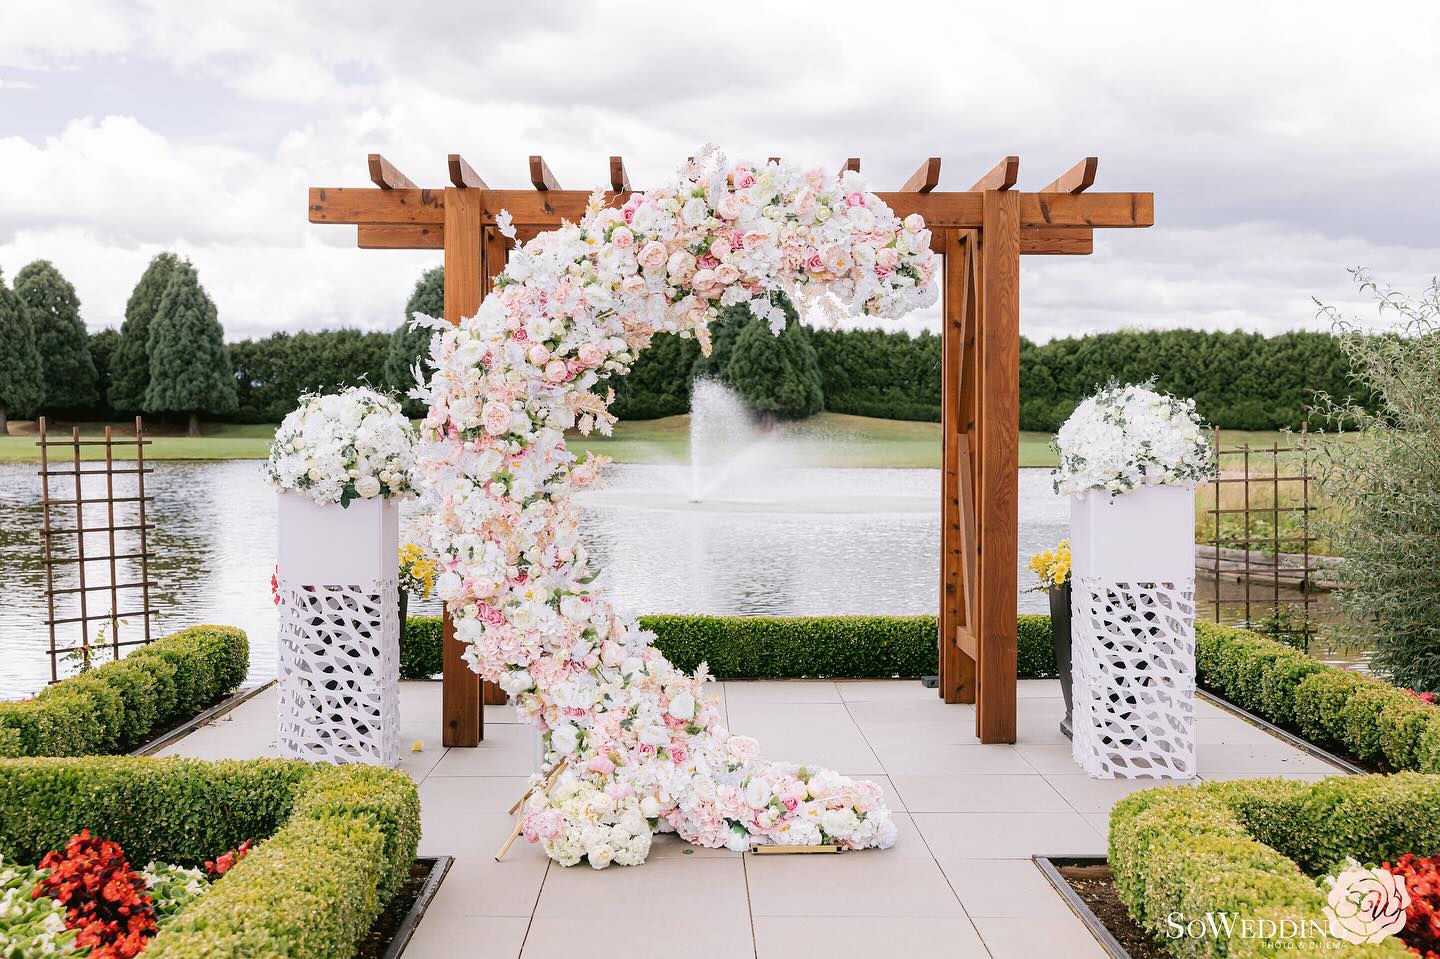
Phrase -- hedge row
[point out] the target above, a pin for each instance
(340, 842)
(1183, 853)
(745, 647)
(122, 704)
(1337, 709)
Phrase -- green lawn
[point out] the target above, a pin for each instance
(830, 439)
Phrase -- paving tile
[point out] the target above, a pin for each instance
(908, 711)
(1029, 937)
(885, 691)
(1274, 758)
(868, 883)
(819, 733)
(959, 731)
(689, 888)
(1086, 795)
(1002, 887)
(485, 937)
(853, 937)
(922, 758)
(1037, 689)
(569, 936)
(787, 691)
(978, 792)
(505, 751)
(477, 885)
(988, 835)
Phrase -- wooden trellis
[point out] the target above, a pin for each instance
(69, 474)
(982, 232)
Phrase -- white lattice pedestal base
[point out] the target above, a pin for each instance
(339, 645)
(1133, 633)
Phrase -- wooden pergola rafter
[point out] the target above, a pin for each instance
(982, 232)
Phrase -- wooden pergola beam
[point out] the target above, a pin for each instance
(384, 175)
(942, 211)
(924, 179)
(1002, 176)
(852, 164)
(772, 159)
(463, 175)
(1077, 179)
(375, 237)
(619, 179)
(541, 176)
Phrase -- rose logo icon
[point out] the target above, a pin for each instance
(1366, 905)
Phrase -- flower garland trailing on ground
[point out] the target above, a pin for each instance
(338, 447)
(641, 740)
(1126, 437)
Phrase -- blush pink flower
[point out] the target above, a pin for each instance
(652, 255)
(496, 417)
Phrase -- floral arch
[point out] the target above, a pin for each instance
(982, 232)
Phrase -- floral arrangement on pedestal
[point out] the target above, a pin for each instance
(338, 447)
(1126, 437)
(417, 571)
(1051, 566)
(573, 307)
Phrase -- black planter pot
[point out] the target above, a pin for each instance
(1060, 639)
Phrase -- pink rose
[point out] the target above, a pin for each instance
(545, 824)
(632, 285)
(582, 474)
(496, 417)
(556, 371)
(887, 258)
(743, 178)
(612, 654)
(622, 237)
(720, 248)
(519, 336)
(592, 354)
(754, 238)
(813, 263)
(651, 255)
(855, 199)
(726, 274)
(703, 280)
(742, 748)
(914, 223)
(601, 765)
(538, 355)
(728, 208)
(679, 754)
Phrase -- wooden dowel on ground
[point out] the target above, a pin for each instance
(519, 823)
(549, 781)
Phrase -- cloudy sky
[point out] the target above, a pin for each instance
(1284, 142)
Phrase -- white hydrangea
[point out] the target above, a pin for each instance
(355, 444)
(1126, 437)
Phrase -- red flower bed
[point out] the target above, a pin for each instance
(103, 897)
(222, 864)
(1422, 919)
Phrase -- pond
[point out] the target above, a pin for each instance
(790, 542)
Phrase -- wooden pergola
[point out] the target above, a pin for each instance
(982, 233)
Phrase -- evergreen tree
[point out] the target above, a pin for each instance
(102, 350)
(190, 369)
(659, 382)
(724, 331)
(130, 365)
(22, 380)
(406, 345)
(777, 376)
(60, 336)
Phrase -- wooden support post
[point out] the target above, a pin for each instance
(463, 721)
(999, 439)
(957, 670)
(493, 256)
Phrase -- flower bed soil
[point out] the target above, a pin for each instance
(393, 928)
(1096, 889)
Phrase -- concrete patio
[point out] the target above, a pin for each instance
(958, 883)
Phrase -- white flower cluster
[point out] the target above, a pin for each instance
(573, 307)
(1125, 437)
(31, 925)
(355, 444)
(580, 820)
(172, 888)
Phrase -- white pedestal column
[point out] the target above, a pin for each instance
(1133, 630)
(339, 650)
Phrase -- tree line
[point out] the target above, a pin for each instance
(169, 358)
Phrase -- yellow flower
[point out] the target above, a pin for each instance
(1052, 566)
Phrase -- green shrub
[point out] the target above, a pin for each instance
(337, 841)
(118, 706)
(1181, 853)
(753, 647)
(1349, 713)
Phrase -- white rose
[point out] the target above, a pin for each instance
(564, 738)
(694, 211)
(448, 585)
(757, 794)
(368, 487)
(649, 807)
(683, 706)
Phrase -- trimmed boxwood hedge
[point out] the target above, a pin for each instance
(1240, 848)
(752, 647)
(120, 705)
(1346, 712)
(338, 842)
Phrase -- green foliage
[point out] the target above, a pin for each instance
(754, 647)
(103, 347)
(659, 382)
(1349, 713)
(1387, 516)
(22, 379)
(60, 336)
(340, 842)
(407, 346)
(271, 373)
(190, 368)
(122, 704)
(130, 368)
(1181, 852)
(776, 376)
(884, 374)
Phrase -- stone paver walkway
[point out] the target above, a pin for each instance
(958, 883)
